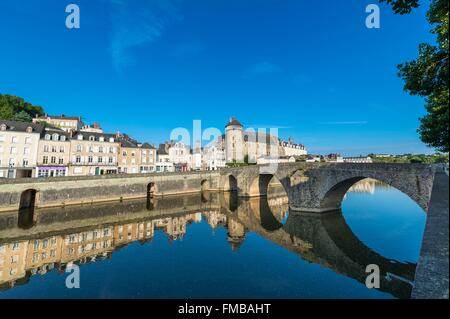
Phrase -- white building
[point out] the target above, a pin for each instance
(18, 148)
(358, 159)
(214, 156)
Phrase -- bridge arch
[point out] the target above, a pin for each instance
(205, 185)
(332, 197)
(151, 189)
(229, 183)
(27, 206)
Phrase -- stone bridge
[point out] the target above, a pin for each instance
(320, 187)
(313, 187)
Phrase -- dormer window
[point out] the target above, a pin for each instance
(111, 140)
(63, 138)
(91, 138)
(29, 129)
(47, 137)
(101, 139)
(55, 137)
(80, 137)
(3, 127)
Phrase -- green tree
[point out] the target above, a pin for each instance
(11, 106)
(427, 76)
(22, 116)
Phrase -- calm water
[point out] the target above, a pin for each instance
(214, 246)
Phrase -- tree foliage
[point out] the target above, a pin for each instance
(402, 6)
(16, 108)
(427, 76)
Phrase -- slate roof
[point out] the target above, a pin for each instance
(17, 126)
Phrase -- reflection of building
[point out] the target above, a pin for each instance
(236, 233)
(215, 219)
(366, 185)
(22, 258)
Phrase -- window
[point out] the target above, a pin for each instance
(47, 137)
(26, 150)
(91, 149)
(2, 138)
(27, 140)
(111, 150)
(55, 137)
(63, 138)
(61, 161)
(45, 160)
(91, 138)
(25, 162)
(78, 159)
(89, 159)
(53, 160)
(111, 140)
(14, 139)
(53, 149)
(101, 139)
(46, 148)
(80, 137)
(79, 148)
(100, 159)
(100, 149)
(110, 160)
(61, 149)
(13, 150)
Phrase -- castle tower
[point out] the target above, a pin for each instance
(234, 141)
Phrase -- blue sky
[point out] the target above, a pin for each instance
(311, 68)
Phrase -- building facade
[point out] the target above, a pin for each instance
(18, 148)
(93, 154)
(53, 153)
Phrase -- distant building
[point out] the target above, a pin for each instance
(214, 155)
(313, 159)
(358, 159)
(94, 128)
(163, 163)
(66, 123)
(334, 158)
(249, 145)
(18, 148)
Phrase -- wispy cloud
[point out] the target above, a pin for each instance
(136, 22)
(344, 123)
(261, 68)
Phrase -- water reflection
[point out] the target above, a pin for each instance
(92, 233)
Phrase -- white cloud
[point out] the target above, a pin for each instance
(135, 23)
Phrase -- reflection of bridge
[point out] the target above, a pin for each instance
(325, 240)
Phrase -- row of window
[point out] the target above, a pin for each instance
(54, 149)
(12, 162)
(55, 137)
(53, 160)
(15, 139)
(92, 138)
(14, 150)
(95, 159)
(96, 149)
